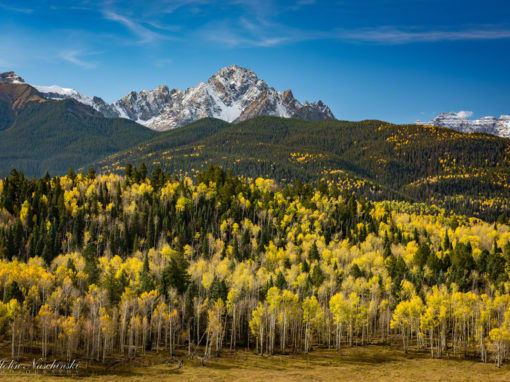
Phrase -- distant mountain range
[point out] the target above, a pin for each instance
(233, 94)
(460, 121)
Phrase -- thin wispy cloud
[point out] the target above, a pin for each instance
(144, 34)
(162, 26)
(172, 6)
(263, 23)
(241, 34)
(15, 9)
(255, 33)
(302, 3)
(392, 35)
(76, 57)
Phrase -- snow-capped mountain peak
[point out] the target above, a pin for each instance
(233, 80)
(233, 94)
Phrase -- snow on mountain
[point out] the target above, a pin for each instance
(57, 93)
(233, 94)
(503, 126)
(460, 122)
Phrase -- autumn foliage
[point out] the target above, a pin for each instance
(101, 265)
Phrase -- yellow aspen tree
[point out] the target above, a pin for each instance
(215, 327)
(258, 325)
(108, 329)
(289, 307)
(232, 302)
(352, 313)
(500, 339)
(434, 318)
(14, 314)
(45, 317)
(69, 332)
(126, 309)
(339, 308)
(157, 318)
(482, 324)
(312, 319)
(170, 318)
(146, 303)
(273, 300)
(406, 319)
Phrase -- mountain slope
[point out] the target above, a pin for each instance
(233, 94)
(39, 135)
(12, 99)
(414, 161)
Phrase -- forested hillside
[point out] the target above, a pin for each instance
(101, 266)
(469, 173)
(38, 135)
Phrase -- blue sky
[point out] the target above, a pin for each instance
(393, 60)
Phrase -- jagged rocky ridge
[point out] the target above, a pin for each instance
(460, 121)
(10, 78)
(233, 94)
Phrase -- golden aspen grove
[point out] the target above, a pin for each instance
(108, 267)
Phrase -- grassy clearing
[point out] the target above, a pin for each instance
(372, 363)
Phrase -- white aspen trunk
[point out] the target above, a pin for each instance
(13, 339)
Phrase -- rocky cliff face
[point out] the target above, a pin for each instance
(460, 122)
(146, 104)
(314, 112)
(233, 94)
